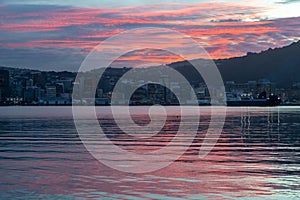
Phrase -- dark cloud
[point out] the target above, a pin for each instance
(58, 59)
(226, 20)
(288, 1)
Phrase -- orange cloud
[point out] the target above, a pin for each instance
(218, 27)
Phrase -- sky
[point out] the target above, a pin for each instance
(58, 35)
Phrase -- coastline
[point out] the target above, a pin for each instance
(139, 105)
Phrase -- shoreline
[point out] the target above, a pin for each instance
(169, 105)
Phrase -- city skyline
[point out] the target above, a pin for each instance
(32, 87)
(58, 35)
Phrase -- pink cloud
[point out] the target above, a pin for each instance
(218, 27)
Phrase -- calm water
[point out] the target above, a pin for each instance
(256, 157)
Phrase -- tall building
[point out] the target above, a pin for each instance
(59, 89)
(51, 92)
(4, 85)
(295, 92)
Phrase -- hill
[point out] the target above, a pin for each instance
(279, 65)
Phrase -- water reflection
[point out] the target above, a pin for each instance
(256, 156)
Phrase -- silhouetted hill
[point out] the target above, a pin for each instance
(280, 65)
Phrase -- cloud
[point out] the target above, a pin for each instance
(60, 36)
(288, 1)
(57, 59)
(104, 3)
(226, 20)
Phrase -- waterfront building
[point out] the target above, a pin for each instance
(4, 85)
(51, 92)
(60, 89)
(295, 93)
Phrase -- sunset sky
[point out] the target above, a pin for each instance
(57, 35)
